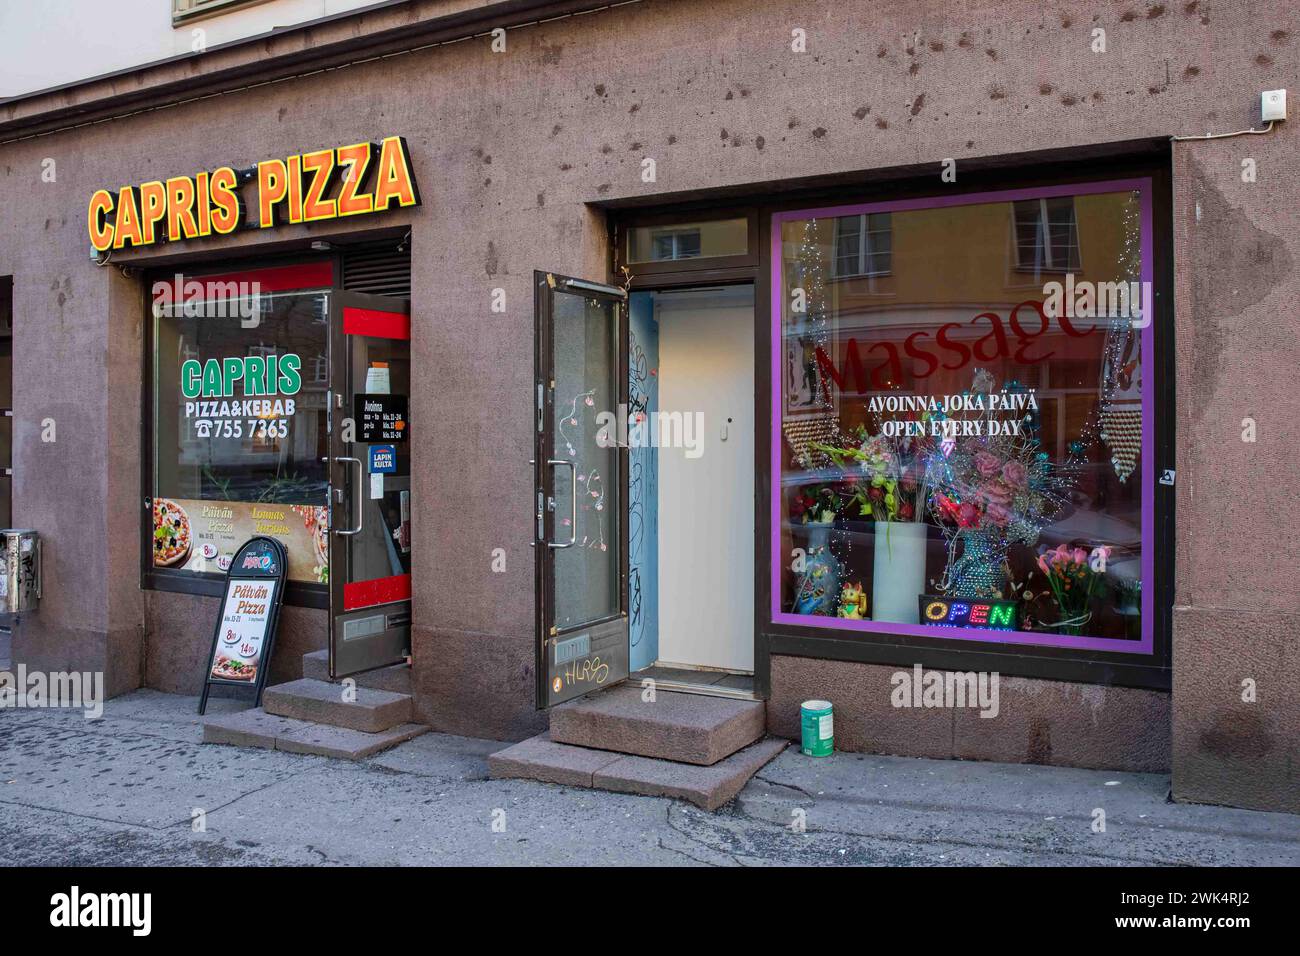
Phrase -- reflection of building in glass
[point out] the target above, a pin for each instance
(930, 294)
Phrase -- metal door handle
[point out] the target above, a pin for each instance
(573, 503)
(360, 508)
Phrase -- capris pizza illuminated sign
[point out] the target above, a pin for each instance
(309, 187)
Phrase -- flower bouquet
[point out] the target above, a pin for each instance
(881, 484)
(1072, 575)
(881, 478)
(993, 488)
(817, 505)
(815, 509)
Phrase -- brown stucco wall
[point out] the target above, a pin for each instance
(178, 639)
(1237, 551)
(1037, 721)
(510, 148)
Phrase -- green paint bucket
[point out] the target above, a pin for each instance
(818, 728)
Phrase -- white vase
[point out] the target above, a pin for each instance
(899, 576)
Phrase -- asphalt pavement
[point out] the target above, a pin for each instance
(137, 787)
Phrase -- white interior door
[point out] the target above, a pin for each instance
(706, 503)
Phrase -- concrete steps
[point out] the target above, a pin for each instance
(397, 678)
(685, 728)
(321, 702)
(257, 728)
(708, 787)
(311, 716)
(683, 746)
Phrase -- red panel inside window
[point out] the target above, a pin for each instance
(380, 324)
(305, 275)
(361, 594)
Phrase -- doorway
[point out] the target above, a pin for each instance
(369, 482)
(691, 488)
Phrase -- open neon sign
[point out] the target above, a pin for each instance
(968, 612)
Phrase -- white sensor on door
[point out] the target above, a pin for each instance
(1272, 105)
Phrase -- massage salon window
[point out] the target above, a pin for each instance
(239, 429)
(962, 419)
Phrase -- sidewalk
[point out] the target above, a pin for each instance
(121, 790)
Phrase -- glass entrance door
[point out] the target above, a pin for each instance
(370, 482)
(580, 396)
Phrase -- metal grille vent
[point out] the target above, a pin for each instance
(380, 271)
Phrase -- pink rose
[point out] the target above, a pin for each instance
(1055, 559)
(968, 516)
(1000, 515)
(986, 464)
(1015, 474)
(994, 492)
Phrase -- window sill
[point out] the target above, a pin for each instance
(1147, 672)
(208, 8)
(296, 594)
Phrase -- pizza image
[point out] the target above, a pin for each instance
(171, 533)
(315, 519)
(227, 668)
(322, 541)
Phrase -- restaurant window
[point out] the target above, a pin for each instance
(967, 460)
(239, 403)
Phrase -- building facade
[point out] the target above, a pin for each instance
(923, 346)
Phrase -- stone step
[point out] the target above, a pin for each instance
(708, 787)
(322, 702)
(686, 728)
(257, 728)
(396, 678)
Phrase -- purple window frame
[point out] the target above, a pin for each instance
(1146, 645)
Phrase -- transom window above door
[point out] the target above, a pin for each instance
(688, 240)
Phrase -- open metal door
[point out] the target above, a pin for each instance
(370, 482)
(580, 469)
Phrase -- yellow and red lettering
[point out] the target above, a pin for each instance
(272, 188)
(395, 179)
(101, 232)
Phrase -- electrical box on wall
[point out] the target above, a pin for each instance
(20, 571)
(1272, 105)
